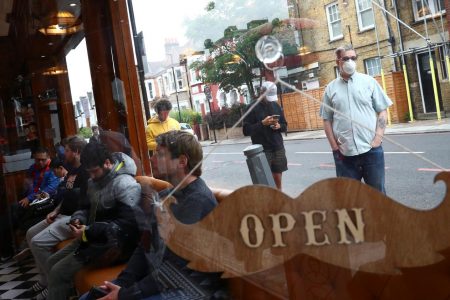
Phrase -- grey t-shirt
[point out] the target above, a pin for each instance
(360, 99)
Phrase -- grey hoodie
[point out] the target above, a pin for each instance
(113, 203)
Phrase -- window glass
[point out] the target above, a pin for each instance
(428, 8)
(373, 66)
(334, 21)
(365, 14)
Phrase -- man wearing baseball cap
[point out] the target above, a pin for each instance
(264, 124)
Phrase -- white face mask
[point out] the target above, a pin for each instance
(349, 67)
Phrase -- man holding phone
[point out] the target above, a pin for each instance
(42, 237)
(264, 124)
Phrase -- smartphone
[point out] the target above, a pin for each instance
(97, 292)
(276, 117)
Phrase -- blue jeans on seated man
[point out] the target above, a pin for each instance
(368, 166)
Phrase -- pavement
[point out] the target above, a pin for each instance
(418, 126)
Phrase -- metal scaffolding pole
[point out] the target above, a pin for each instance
(405, 73)
(381, 65)
(433, 73)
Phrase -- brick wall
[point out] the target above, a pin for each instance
(302, 112)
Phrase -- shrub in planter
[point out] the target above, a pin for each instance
(227, 116)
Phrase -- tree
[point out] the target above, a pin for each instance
(231, 64)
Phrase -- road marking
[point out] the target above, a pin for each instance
(327, 166)
(294, 164)
(386, 152)
(229, 153)
(433, 170)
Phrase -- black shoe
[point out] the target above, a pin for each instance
(22, 255)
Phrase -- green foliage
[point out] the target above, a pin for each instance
(225, 116)
(211, 5)
(187, 116)
(85, 132)
(208, 44)
(231, 64)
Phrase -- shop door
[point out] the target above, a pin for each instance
(427, 82)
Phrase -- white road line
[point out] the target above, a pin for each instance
(229, 153)
(432, 170)
(294, 164)
(386, 152)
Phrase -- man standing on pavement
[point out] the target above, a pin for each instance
(106, 230)
(357, 151)
(160, 123)
(264, 124)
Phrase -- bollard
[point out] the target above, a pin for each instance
(258, 166)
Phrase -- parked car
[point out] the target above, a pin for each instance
(188, 128)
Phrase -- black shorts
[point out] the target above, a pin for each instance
(277, 160)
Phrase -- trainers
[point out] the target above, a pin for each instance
(36, 288)
(42, 295)
(5, 258)
(25, 253)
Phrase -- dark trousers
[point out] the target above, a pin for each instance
(368, 166)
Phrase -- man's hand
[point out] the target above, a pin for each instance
(276, 126)
(24, 202)
(51, 217)
(77, 230)
(269, 120)
(376, 142)
(113, 290)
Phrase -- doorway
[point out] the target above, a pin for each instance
(426, 82)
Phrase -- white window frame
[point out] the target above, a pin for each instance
(360, 12)
(433, 5)
(331, 22)
(179, 78)
(371, 61)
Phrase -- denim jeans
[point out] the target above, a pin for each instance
(368, 166)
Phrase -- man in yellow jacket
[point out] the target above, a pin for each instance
(160, 123)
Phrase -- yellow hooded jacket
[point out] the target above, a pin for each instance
(155, 127)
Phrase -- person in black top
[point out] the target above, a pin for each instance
(264, 124)
(53, 229)
(146, 275)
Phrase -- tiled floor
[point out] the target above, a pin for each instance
(16, 278)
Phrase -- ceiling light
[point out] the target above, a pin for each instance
(54, 71)
(61, 23)
(72, 4)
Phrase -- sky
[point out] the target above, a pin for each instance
(164, 19)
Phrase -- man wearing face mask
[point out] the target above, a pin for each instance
(357, 151)
(160, 123)
(264, 124)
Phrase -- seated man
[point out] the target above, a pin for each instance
(176, 155)
(106, 229)
(40, 178)
(43, 236)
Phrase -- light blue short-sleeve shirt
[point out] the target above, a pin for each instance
(360, 98)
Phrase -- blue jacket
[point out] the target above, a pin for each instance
(48, 184)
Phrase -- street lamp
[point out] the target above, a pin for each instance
(207, 92)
